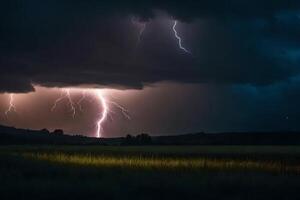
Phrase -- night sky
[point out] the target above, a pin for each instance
(236, 66)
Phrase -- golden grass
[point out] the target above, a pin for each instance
(164, 163)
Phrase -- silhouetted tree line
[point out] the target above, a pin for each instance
(56, 131)
(141, 139)
(11, 135)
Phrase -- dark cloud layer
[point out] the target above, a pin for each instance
(62, 43)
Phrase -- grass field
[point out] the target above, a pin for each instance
(150, 172)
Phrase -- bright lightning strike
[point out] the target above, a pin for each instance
(179, 38)
(104, 113)
(11, 107)
(107, 112)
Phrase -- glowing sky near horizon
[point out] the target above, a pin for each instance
(75, 102)
(166, 108)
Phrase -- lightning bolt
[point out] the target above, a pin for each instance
(142, 29)
(141, 26)
(105, 104)
(80, 100)
(71, 103)
(179, 38)
(107, 112)
(104, 113)
(62, 96)
(65, 94)
(123, 110)
(11, 106)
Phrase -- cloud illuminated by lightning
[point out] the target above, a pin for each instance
(11, 106)
(179, 38)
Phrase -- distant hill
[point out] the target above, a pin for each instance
(11, 135)
(231, 138)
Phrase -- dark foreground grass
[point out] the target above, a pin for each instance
(206, 172)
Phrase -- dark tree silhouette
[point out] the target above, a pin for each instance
(58, 132)
(45, 131)
(143, 139)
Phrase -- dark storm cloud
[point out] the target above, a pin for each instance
(63, 43)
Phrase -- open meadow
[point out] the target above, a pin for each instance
(150, 172)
